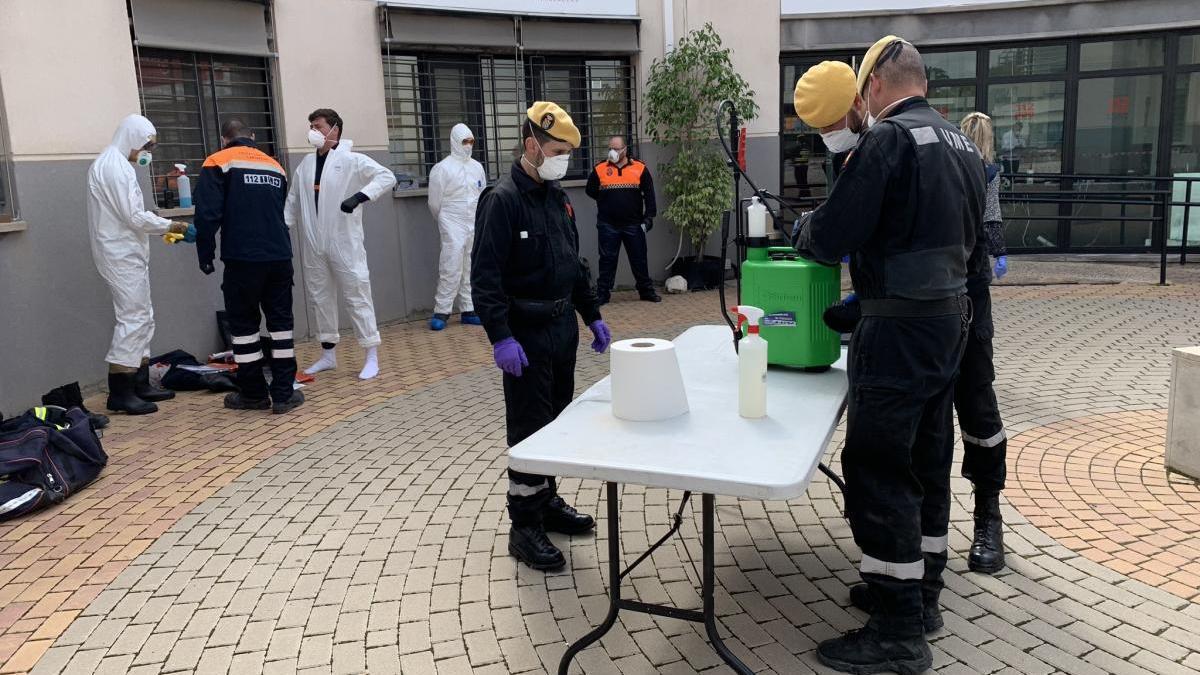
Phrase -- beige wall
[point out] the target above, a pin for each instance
(340, 70)
(69, 76)
(751, 32)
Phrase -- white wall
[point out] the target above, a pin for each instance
(69, 75)
(329, 57)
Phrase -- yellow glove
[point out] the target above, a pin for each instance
(172, 238)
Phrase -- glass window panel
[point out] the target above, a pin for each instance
(953, 101)
(1030, 224)
(1189, 50)
(1185, 133)
(187, 96)
(1040, 60)
(1139, 53)
(949, 65)
(1027, 119)
(1117, 125)
(1098, 225)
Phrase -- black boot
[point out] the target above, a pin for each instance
(236, 401)
(147, 392)
(865, 651)
(564, 519)
(281, 407)
(530, 545)
(68, 396)
(987, 550)
(121, 396)
(860, 597)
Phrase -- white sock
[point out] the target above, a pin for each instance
(328, 361)
(370, 365)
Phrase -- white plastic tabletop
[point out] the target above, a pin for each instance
(711, 449)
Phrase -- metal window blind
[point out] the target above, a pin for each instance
(188, 96)
(427, 94)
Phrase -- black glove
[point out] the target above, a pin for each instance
(647, 224)
(353, 201)
(207, 267)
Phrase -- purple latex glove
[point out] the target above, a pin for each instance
(510, 357)
(602, 334)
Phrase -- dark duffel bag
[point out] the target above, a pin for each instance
(46, 455)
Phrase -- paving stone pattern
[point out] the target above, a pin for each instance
(369, 534)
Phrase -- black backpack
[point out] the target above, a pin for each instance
(46, 455)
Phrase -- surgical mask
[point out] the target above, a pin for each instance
(316, 138)
(554, 168)
(840, 140)
(867, 99)
(614, 156)
(144, 157)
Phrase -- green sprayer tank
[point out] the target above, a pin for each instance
(793, 293)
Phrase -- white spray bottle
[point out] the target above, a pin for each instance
(185, 187)
(752, 365)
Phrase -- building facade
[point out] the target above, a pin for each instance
(1101, 87)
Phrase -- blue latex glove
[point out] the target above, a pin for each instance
(190, 235)
(602, 334)
(850, 299)
(1001, 267)
(509, 356)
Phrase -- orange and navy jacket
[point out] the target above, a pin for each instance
(241, 192)
(624, 195)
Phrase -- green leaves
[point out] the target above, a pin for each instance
(681, 101)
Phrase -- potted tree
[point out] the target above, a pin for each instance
(682, 94)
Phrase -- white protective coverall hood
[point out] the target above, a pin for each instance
(331, 242)
(454, 187)
(120, 228)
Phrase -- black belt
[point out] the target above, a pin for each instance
(542, 309)
(914, 309)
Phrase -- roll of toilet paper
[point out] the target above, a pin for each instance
(646, 382)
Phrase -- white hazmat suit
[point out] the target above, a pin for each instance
(331, 242)
(454, 187)
(120, 231)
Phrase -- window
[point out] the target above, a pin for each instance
(949, 65)
(8, 209)
(1028, 120)
(427, 94)
(1185, 144)
(1189, 50)
(1024, 61)
(1119, 54)
(1116, 128)
(189, 95)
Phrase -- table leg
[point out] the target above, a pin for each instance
(707, 586)
(614, 584)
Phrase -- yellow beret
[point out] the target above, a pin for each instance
(824, 93)
(872, 55)
(554, 121)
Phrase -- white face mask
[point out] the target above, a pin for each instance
(840, 140)
(463, 151)
(614, 156)
(867, 100)
(144, 158)
(554, 168)
(316, 138)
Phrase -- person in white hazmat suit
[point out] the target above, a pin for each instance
(120, 227)
(327, 189)
(454, 187)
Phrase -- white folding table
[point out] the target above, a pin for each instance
(711, 450)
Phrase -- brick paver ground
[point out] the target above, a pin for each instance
(366, 532)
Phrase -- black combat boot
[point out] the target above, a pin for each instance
(530, 545)
(68, 396)
(147, 392)
(564, 519)
(236, 401)
(282, 407)
(121, 396)
(987, 550)
(860, 597)
(866, 651)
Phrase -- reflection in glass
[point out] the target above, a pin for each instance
(1014, 61)
(1028, 122)
(949, 65)
(1139, 53)
(1185, 155)
(1117, 125)
(953, 102)
(1189, 50)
